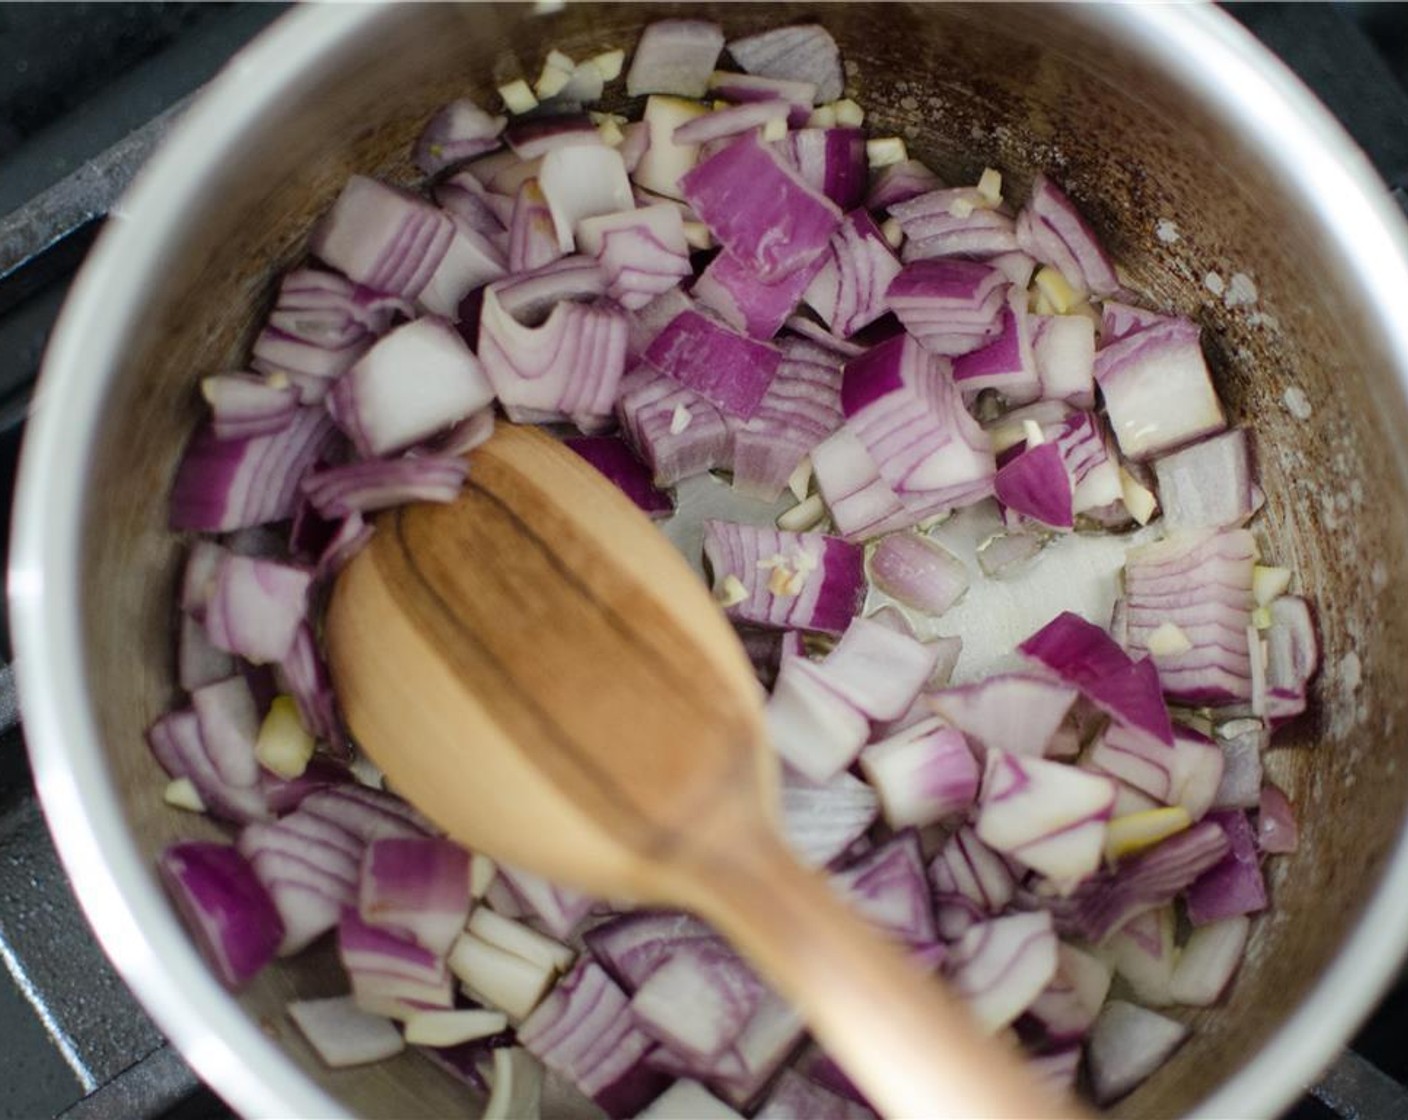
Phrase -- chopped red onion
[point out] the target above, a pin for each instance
(383, 483)
(801, 407)
(1001, 966)
(642, 252)
(861, 503)
(817, 732)
(631, 946)
(229, 725)
(697, 1001)
(1207, 485)
(537, 135)
(310, 878)
(326, 309)
(365, 813)
(225, 907)
(849, 291)
(353, 532)
(585, 1032)
(418, 887)
(1035, 483)
(799, 53)
(1292, 656)
(675, 56)
(1208, 961)
(760, 209)
(1143, 953)
(953, 222)
(256, 606)
(1276, 828)
(309, 366)
(798, 581)
(559, 909)
(529, 297)
(1063, 348)
(793, 1097)
(1071, 1001)
(1006, 363)
(903, 404)
(1135, 758)
(246, 404)
(949, 306)
(1120, 319)
(1047, 815)
(922, 774)
(1149, 880)
(877, 670)
(1091, 464)
(532, 232)
(371, 401)
(969, 880)
(1235, 885)
(918, 572)
(233, 484)
(459, 131)
(1157, 389)
(832, 161)
(1127, 1044)
(734, 291)
(1013, 712)
(502, 174)
(465, 198)
(570, 366)
(900, 182)
(821, 820)
(1241, 742)
(383, 237)
(1052, 230)
(686, 1099)
(583, 182)
(888, 887)
(471, 261)
(613, 458)
(746, 88)
(343, 1034)
(726, 123)
(198, 662)
(1082, 654)
(675, 430)
(177, 743)
(1200, 585)
(391, 975)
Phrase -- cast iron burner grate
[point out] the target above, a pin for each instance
(86, 91)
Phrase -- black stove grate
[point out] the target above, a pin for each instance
(86, 91)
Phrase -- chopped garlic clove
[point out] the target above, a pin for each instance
(1269, 583)
(774, 130)
(481, 873)
(1053, 285)
(990, 185)
(1137, 831)
(806, 514)
(551, 82)
(181, 793)
(731, 592)
(823, 116)
(848, 113)
(1168, 640)
(680, 419)
(893, 232)
(885, 151)
(517, 97)
(1261, 618)
(1138, 499)
(1032, 430)
(283, 746)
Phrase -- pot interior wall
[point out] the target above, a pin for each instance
(1179, 201)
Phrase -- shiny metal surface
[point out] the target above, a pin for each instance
(1152, 114)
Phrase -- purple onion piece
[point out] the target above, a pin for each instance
(697, 1001)
(532, 233)
(1209, 960)
(1277, 831)
(799, 53)
(900, 182)
(849, 291)
(759, 208)
(224, 906)
(384, 483)
(922, 774)
(1001, 966)
(535, 135)
(1013, 712)
(793, 1097)
(832, 161)
(733, 290)
(1053, 231)
(256, 607)
(918, 572)
(391, 974)
(889, 888)
(675, 56)
(383, 237)
(610, 456)
(1235, 886)
(418, 887)
(954, 222)
(949, 306)
(460, 130)
(815, 731)
(1207, 485)
(1035, 483)
(676, 431)
(821, 820)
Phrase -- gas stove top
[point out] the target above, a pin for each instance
(86, 91)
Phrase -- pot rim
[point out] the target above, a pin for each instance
(1204, 49)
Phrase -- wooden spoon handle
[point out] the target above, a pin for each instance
(912, 1048)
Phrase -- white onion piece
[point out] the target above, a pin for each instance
(804, 52)
(343, 1034)
(1127, 1044)
(1000, 967)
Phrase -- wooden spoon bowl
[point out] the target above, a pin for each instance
(539, 671)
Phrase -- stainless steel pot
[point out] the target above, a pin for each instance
(1224, 189)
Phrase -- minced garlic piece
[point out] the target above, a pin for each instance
(1053, 286)
(990, 185)
(789, 575)
(610, 133)
(697, 235)
(481, 873)
(517, 97)
(800, 480)
(1269, 583)
(775, 129)
(181, 793)
(961, 207)
(679, 419)
(1261, 618)
(1167, 640)
(823, 116)
(806, 514)
(552, 81)
(1138, 499)
(731, 591)
(1032, 430)
(848, 113)
(609, 63)
(1137, 831)
(892, 232)
(885, 151)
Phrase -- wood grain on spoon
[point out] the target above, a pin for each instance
(536, 668)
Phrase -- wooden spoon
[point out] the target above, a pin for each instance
(540, 672)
